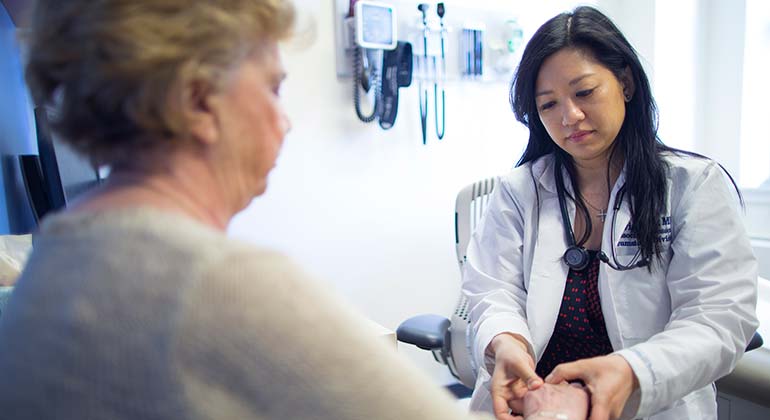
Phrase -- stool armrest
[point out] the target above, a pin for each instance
(756, 342)
(424, 331)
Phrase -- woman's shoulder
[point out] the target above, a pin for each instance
(693, 176)
(685, 168)
(523, 179)
(150, 236)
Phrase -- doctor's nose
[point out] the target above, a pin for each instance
(571, 114)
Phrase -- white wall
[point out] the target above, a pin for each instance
(369, 211)
(721, 27)
(637, 21)
(699, 76)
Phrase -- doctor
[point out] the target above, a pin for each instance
(606, 256)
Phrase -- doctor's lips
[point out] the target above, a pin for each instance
(579, 135)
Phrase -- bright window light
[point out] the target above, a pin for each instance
(673, 82)
(755, 136)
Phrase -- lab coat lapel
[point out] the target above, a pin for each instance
(621, 220)
(549, 273)
(607, 276)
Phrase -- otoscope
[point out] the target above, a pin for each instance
(440, 134)
(423, 7)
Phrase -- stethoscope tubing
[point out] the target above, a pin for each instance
(636, 262)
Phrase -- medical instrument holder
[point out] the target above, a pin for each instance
(430, 65)
(472, 51)
(438, 44)
(499, 24)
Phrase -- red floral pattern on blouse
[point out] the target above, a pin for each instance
(580, 331)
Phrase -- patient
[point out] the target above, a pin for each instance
(134, 304)
(563, 402)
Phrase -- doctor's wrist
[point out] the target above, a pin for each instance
(627, 370)
(505, 339)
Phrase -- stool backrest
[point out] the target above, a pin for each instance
(469, 208)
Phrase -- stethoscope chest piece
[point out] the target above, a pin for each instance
(576, 257)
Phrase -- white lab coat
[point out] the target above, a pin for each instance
(680, 328)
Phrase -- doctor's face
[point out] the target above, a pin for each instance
(581, 104)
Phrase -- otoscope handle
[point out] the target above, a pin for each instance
(423, 7)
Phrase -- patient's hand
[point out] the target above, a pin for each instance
(561, 402)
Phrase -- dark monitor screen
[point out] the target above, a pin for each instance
(63, 174)
(76, 174)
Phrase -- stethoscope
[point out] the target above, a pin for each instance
(576, 257)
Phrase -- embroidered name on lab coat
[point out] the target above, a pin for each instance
(628, 245)
(664, 233)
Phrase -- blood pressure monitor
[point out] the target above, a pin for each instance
(375, 25)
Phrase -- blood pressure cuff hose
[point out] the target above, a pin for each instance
(396, 73)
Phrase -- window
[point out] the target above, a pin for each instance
(674, 82)
(755, 136)
(755, 145)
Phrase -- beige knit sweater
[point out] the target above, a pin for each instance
(141, 314)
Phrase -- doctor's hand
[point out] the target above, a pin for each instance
(608, 379)
(514, 375)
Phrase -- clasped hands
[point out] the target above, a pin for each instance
(515, 387)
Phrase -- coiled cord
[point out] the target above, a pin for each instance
(357, 90)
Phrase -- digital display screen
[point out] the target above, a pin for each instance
(377, 24)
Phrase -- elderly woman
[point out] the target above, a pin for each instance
(134, 304)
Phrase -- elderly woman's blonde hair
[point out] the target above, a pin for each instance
(115, 71)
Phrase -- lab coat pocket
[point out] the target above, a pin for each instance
(643, 299)
(643, 304)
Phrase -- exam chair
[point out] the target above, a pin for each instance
(450, 341)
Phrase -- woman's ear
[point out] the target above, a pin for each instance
(199, 110)
(627, 81)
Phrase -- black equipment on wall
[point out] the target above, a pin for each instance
(56, 174)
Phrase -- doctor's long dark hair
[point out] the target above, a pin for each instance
(589, 30)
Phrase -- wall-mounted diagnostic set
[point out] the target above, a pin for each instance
(380, 63)
(384, 45)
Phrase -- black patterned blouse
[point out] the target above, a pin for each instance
(580, 331)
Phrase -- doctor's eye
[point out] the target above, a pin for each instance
(584, 93)
(546, 106)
